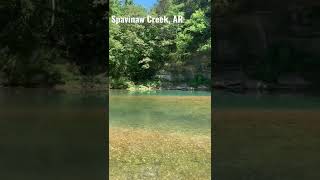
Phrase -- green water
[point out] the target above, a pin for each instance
(159, 93)
(46, 134)
(277, 100)
(173, 111)
(266, 136)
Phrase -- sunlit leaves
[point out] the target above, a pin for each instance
(205, 47)
(145, 62)
(140, 51)
(197, 22)
(192, 33)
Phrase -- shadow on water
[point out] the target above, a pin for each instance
(266, 136)
(46, 134)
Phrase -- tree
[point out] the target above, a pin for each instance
(138, 52)
(37, 36)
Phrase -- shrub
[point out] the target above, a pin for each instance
(198, 80)
(120, 83)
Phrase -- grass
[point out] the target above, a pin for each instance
(262, 144)
(145, 154)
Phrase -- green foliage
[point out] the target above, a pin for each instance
(198, 80)
(39, 42)
(68, 72)
(120, 83)
(139, 51)
(30, 71)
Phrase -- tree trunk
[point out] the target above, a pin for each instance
(53, 6)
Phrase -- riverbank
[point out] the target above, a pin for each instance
(239, 81)
(84, 83)
(103, 85)
(162, 86)
(255, 85)
(145, 154)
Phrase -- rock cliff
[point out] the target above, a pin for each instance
(266, 41)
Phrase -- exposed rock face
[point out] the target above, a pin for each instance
(246, 31)
(197, 65)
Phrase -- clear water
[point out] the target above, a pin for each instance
(159, 93)
(174, 111)
(165, 134)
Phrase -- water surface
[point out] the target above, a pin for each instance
(47, 134)
(160, 135)
(175, 111)
(266, 136)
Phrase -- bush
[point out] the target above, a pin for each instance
(36, 70)
(198, 80)
(120, 83)
(67, 72)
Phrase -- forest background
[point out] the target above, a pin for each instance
(64, 43)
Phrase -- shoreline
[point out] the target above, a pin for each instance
(258, 85)
(103, 87)
(236, 87)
